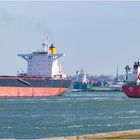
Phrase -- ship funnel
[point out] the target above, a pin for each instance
(52, 49)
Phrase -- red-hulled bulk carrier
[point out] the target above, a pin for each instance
(131, 85)
(44, 76)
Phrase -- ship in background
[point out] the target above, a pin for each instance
(131, 85)
(83, 84)
(117, 83)
(44, 76)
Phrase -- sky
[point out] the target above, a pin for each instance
(95, 36)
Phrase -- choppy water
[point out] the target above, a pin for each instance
(69, 114)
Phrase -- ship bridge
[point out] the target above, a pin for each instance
(43, 63)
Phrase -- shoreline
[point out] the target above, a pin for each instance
(126, 134)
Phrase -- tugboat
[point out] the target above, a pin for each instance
(131, 85)
(44, 76)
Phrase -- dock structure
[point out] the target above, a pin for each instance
(127, 134)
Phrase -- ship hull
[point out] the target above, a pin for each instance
(131, 91)
(30, 92)
(32, 87)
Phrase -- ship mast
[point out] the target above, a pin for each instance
(45, 45)
(117, 75)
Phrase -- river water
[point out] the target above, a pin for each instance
(73, 113)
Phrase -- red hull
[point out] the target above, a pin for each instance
(131, 91)
(30, 91)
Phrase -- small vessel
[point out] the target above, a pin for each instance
(44, 76)
(82, 84)
(131, 85)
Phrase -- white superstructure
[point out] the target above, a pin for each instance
(133, 77)
(44, 63)
(81, 76)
